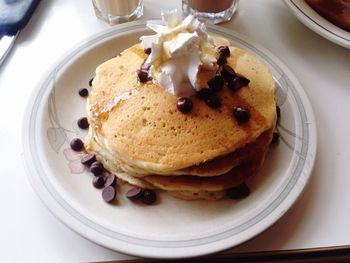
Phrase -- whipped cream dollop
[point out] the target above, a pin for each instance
(180, 48)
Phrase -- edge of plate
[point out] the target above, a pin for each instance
(96, 237)
(314, 26)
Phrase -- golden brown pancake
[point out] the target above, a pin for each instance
(137, 132)
(141, 126)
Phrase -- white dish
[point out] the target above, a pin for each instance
(317, 23)
(172, 228)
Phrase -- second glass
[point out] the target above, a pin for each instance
(210, 11)
(118, 11)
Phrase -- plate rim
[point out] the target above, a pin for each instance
(96, 237)
(322, 30)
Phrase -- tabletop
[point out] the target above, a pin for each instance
(319, 218)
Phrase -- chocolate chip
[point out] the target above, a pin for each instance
(142, 75)
(77, 144)
(221, 60)
(134, 194)
(224, 51)
(278, 111)
(148, 50)
(96, 168)
(88, 159)
(148, 197)
(237, 82)
(228, 72)
(111, 180)
(216, 83)
(90, 82)
(98, 182)
(238, 192)
(204, 93)
(83, 92)
(83, 123)
(275, 137)
(241, 113)
(108, 194)
(213, 101)
(184, 104)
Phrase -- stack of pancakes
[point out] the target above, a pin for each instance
(137, 132)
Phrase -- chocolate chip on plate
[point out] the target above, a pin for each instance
(88, 159)
(221, 60)
(98, 182)
(90, 82)
(239, 192)
(111, 180)
(83, 123)
(148, 50)
(77, 144)
(213, 101)
(134, 194)
(142, 75)
(228, 72)
(204, 93)
(224, 51)
(96, 168)
(148, 196)
(108, 194)
(237, 82)
(83, 92)
(216, 83)
(241, 113)
(275, 137)
(184, 104)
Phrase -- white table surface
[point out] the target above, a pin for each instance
(321, 217)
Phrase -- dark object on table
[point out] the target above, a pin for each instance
(336, 11)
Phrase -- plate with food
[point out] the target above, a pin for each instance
(167, 139)
(328, 18)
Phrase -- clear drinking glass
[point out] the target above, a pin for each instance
(210, 11)
(118, 11)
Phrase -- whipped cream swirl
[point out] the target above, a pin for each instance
(179, 50)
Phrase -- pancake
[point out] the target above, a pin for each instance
(139, 124)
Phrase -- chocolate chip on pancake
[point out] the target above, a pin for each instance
(237, 82)
(228, 72)
(184, 104)
(148, 50)
(142, 75)
(222, 60)
(204, 93)
(241, 113)
(216, 83)
(224, 51)
(213, 101)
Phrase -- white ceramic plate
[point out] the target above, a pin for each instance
(172, 228)
(317, 23)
